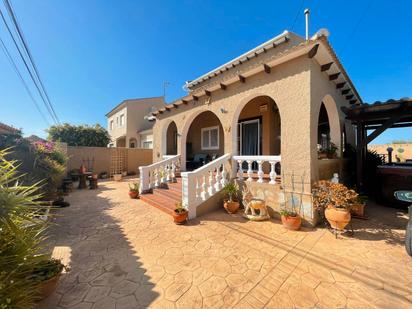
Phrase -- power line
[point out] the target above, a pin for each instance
(297, 15)
(13, 16)
(16, 69)
(28, 69)
(355, 28)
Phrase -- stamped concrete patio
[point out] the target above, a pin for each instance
(126, 254)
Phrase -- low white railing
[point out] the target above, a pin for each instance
(152, 176)
(200, 184)
(272, 160)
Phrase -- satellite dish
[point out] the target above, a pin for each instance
(322, 32)
(185, 87)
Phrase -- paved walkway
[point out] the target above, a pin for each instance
(126, 254)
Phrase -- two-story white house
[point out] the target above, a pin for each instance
(128, 125)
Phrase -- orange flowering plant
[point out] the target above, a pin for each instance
(328, 194)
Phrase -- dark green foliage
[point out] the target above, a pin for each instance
(81, 135)
(20, 238)
(370, 174)
(46, 269)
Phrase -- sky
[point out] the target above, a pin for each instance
(93, 54)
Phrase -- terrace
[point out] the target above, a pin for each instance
(124, 253)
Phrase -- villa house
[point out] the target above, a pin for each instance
(259, 118)
(128, 125)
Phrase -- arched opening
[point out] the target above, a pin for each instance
(324, 142)
(259, 129)
(330, 135)
(204, 140)
(132, 142)
(171, 139)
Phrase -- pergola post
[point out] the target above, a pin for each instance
(359, 155)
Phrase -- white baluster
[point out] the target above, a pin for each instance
(249, 170)
(173, 172)
(240, 162)
(198, 188)
(168, 173)
(217, 179)
(272, 173)
(211, 189)
(260, 171)
(204, 187)
(157, 177)
(163, 174)
(223, 181)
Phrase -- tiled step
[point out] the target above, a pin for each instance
(165, 199)
(166, 205)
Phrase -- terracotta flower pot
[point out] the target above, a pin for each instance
(231, 206)
(134, 194)
(337, 218)
(291, 223)
(358, 210)
(180, 217)
(46, 288)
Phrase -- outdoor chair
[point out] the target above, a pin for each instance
(198, 160)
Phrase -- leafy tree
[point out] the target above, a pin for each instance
(81, 135)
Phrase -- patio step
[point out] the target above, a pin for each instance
(165, 199)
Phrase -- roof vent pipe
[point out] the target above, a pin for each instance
(306, 12)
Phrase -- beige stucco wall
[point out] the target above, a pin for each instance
(134, 112)
(298, 87)
(288, 86)
(98, 158)
(322, 90)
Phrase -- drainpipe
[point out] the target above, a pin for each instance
(306, 12)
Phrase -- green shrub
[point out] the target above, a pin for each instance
(21, 235)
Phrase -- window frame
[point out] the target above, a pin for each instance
(210, 147)
(121, 120)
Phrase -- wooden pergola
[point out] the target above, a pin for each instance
(378, 117)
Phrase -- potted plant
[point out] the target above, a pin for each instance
(180, 214)
(134, 190)
(321, 152)
(331, 151)
(230, 190)
(291, 220)
(358, 207)
(335, 200)
(47, 273)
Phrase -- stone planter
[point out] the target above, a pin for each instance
(180, 217)
(291, 223)
(337, 218)
(231, 206)
(117, 177)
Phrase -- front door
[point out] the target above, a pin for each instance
(249, 139)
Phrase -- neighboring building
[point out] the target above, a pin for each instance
(6, 129)
(128, 125)
(277, 103)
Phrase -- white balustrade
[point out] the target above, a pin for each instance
(272, 160)
(200, 184)
(154, 175)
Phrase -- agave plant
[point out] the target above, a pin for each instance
(21, 236)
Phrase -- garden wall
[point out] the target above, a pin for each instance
(100, 159)
(406, 154)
